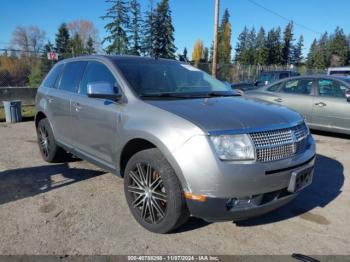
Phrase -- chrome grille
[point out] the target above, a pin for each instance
(280, 144)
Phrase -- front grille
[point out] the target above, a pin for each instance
(281, 143)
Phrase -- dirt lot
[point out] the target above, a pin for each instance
(77, 208)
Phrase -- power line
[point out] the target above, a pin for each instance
(283, 17)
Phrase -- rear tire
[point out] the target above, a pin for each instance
(49, 149)
(153, 192)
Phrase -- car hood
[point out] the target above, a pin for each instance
(229, 113)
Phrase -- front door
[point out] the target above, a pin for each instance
(95, 120)
(297, 95)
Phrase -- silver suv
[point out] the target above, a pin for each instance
(184, 142)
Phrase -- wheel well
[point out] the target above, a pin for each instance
(38, 117)
(131, 148)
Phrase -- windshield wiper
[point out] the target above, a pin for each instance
(221, 94)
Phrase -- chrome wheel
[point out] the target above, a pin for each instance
(147, 192)
(44, 141)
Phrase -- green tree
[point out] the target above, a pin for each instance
(297, 52)
(274, 47)
(147, 45)
(89, 48)
(117, 27)
(135, 27)
(339, 48)
(77, 46)
(45, 63)
(206, 55)
(261, 49)
(287, 44)
(63, 42)
(164, 31)
(35, 77)
(242, 48)
(224, 45)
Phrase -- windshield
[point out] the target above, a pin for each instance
(157, 77)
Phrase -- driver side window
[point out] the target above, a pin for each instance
(299, 86)
(97, 72)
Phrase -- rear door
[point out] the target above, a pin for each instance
(298, 94)
(331, 110)
(60, 98)
(95, 120)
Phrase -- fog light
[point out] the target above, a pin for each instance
(244, 202)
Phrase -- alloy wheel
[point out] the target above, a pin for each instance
(148, 193)
(44, 140)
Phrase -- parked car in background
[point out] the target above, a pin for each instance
(269, 77)
(184, 142)
(323, 100)
(340, 71)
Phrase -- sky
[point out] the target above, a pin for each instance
(193, 19)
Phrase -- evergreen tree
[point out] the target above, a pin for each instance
(63, 42)
(135, 27)
(185, 54)
(206, 55)
(252, 46)
(147, 46)
(287, 44)
(90, 49)
(164, 32)
(224, 45)
(77, 46)
(297, 52)
(242, 53)
(261, 49)
(274, 47)
(311, 55)
(339, 48)
(118, 36)
(45, 63)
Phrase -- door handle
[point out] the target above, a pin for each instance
(77, 106)
(279, 100)
(321, 104)
(50, 100)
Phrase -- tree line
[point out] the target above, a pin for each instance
(132, 32)
(25, 62)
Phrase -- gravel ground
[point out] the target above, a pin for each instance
(77, 208)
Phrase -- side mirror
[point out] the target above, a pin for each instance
(347, 95)
(102, 90)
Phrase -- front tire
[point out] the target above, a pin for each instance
(49, 149)
(153, 192)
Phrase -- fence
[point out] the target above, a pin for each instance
(242, 73)
(26, 95)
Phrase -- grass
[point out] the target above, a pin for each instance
(28, 113)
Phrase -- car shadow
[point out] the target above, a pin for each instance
(330, 134)
(21, 183)
(326, 187)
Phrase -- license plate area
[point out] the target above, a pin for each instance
(300, 179)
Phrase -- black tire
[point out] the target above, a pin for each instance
(48, 147)
(144, 198)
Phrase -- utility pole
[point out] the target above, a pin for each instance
(215, 47)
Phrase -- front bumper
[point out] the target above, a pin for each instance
(216, 209)
(221, 181)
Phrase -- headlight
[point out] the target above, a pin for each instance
(234, 147)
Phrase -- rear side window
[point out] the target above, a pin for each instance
(53, 76)
(96, 72)
(330, 88)
(72, 74)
